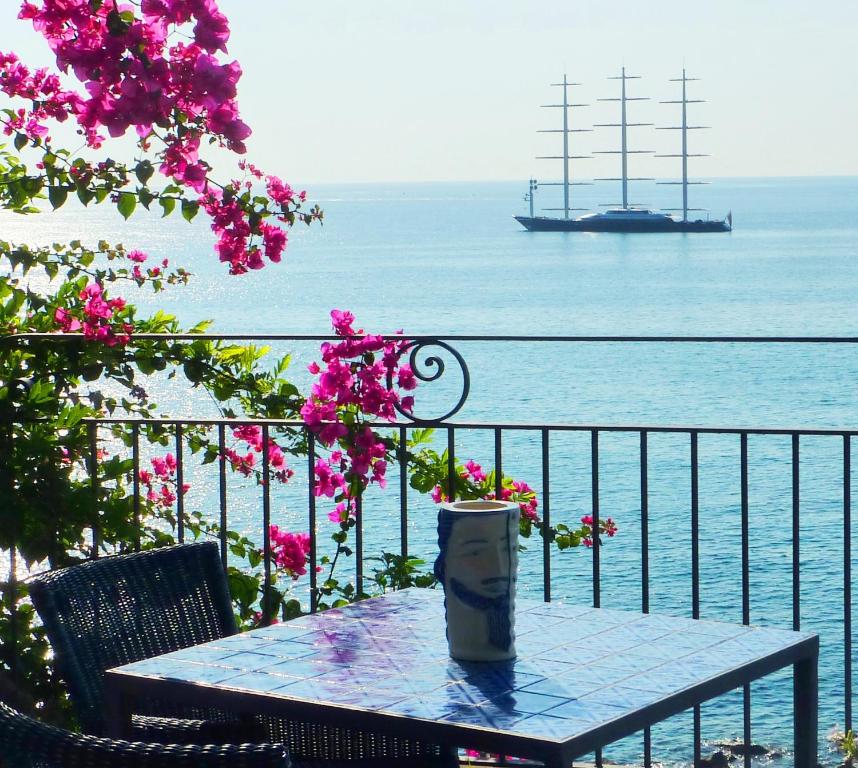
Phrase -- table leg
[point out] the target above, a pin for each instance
(805, 711)
(118, 714)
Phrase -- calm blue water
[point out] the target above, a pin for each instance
(448, 258)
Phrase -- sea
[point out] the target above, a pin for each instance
(448, 259)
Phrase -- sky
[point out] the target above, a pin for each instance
(450, 90)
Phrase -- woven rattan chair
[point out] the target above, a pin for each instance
(27, 743)
(121, 609)
(116, 610)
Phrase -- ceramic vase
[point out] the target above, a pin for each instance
(477, 565)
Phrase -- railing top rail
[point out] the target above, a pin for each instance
(512, 426)
(660, 339)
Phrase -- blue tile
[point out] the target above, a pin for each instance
(469, 715)
(202, 673)
(457, 694)
(202, 654)
(532, 702)
(658, 682)
(625, 663)
(561, 610)
(586, 711)
(255, 681)
(717, 628)
(545, 726)
(413, 707)
(244, 642)
(157, 667)
(298, 668)
(565, 689)
(629, 699)
(252, 662)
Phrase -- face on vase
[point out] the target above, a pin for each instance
(478, 557)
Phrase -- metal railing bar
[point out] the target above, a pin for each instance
(451, 463)
(135, 482)
(796, 534)
(746, 565)
(498, 462)
(359, 544)
(746, 595)
(92, 431)
(221, 451)
(403, 492)
(695, 530)
(695, 570)
(522, 426)
(847, 582)
(8, 600)
(594, 484)
(180, 479)
(546, 518)
(644, 523)
(311, 520)
(266, 525)
(644, 484)
(609, 339)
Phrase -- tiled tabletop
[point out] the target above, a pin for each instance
(578, 668)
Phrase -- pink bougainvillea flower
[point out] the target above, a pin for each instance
(290, 551)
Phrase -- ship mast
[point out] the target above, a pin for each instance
(565, 157)
(684, 155)
(624, 125)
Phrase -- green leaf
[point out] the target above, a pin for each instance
(126, 204)
(20, 140)
(146, 197)
(144, 171)
(189, 210)
(85, 195)
(57, 196)
(168, 204)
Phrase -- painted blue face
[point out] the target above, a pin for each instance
(478, 556)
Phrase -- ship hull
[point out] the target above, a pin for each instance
(545, 224)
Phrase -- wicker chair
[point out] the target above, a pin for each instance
(27, 743)
(121, 609)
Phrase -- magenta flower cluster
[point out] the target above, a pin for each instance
(42, 89)
(132, 74)
(99, 317)
(607, 526)
(153, 66)
(290, 551)
(354, 385)
(160, 483)
(245, 464)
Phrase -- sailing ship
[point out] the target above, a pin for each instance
(622, 217)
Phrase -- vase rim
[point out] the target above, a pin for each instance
(480, 505)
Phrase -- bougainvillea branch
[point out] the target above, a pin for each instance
(157, 69)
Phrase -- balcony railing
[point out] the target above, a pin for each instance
(831, 614)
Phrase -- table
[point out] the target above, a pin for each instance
(584, 677)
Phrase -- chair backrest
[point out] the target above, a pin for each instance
(116, 610)
(28, 743)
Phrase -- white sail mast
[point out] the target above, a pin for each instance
(567, 182)
(624, 125)
(684, 154)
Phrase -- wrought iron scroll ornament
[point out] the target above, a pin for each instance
(432, 368)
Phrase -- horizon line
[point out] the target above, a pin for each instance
(524, 180)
